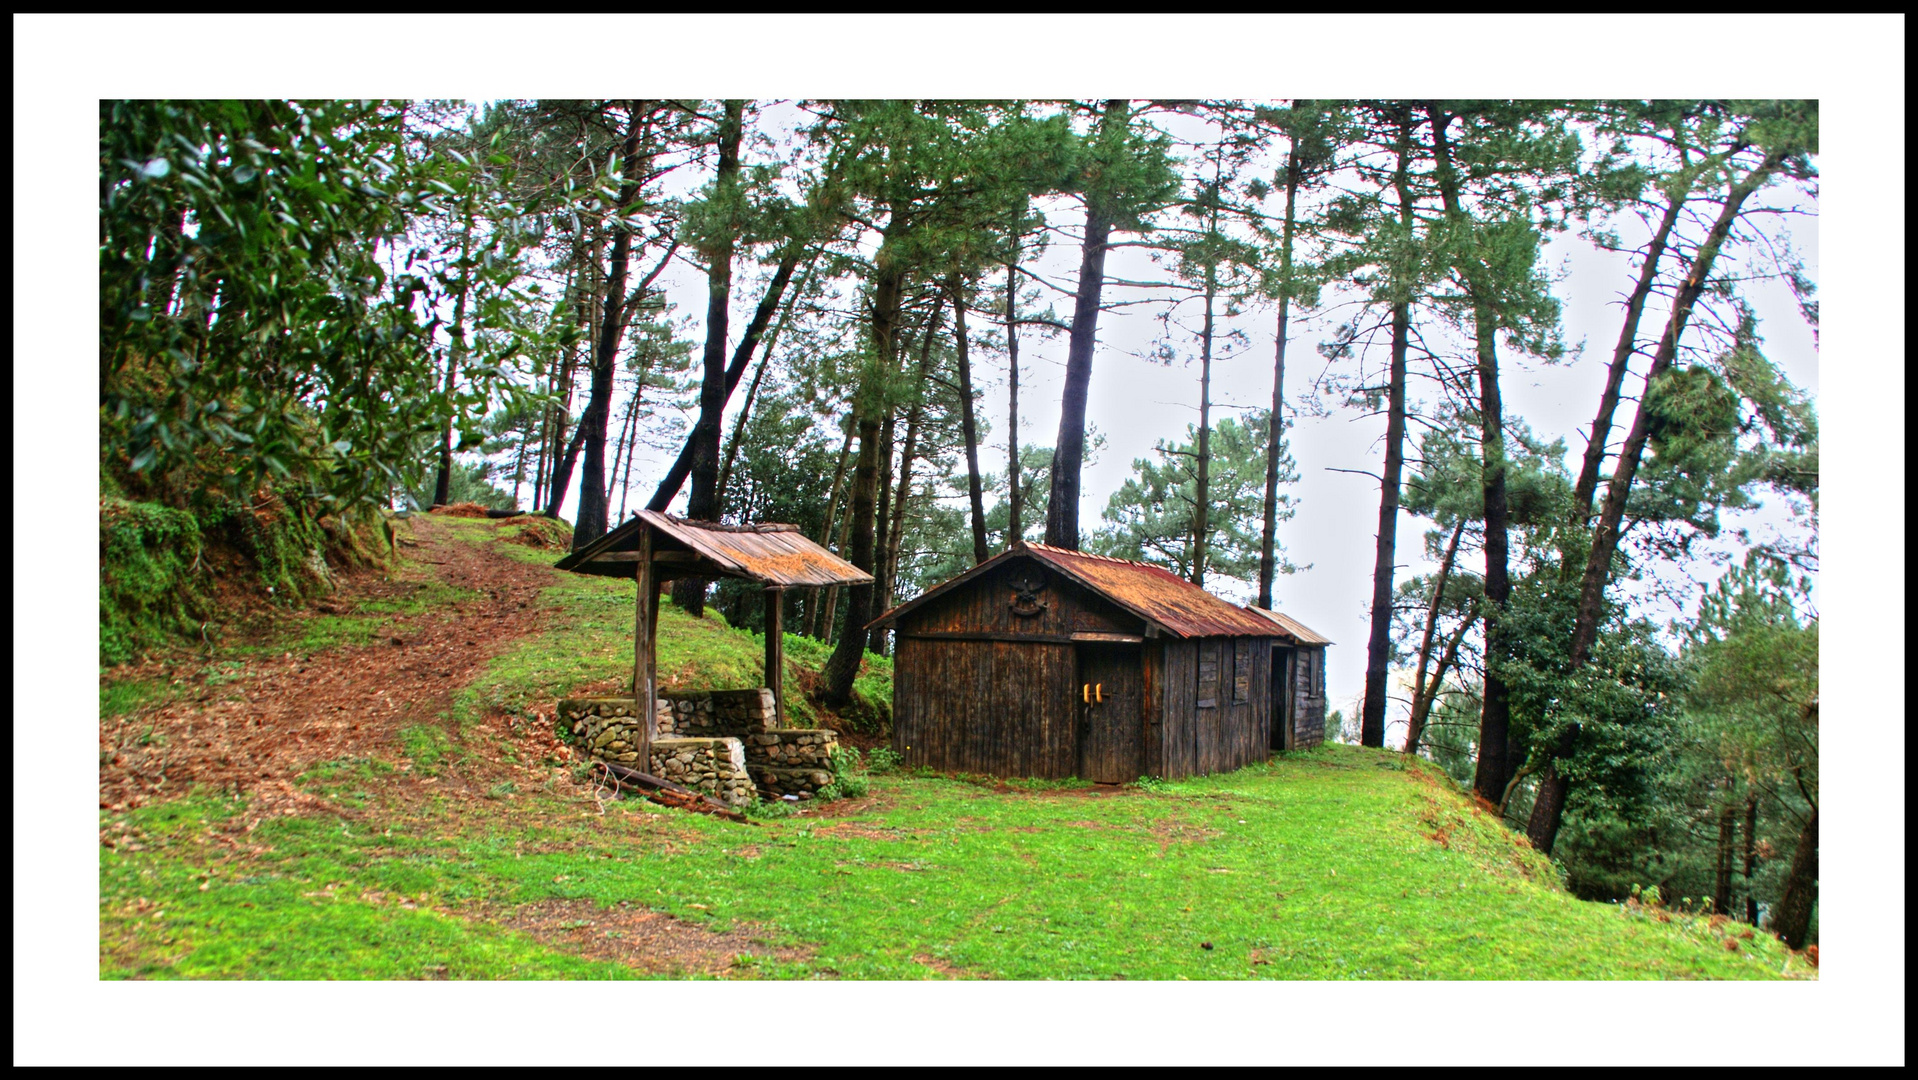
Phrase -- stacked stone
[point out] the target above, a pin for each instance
(716, 713)
(714, 766)
(783, 761)
(792, 761)
(605, 727)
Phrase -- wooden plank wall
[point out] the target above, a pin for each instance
(1233, 673)
(985, 606)
(1308, 697)
(1176, 738)
(997, 707)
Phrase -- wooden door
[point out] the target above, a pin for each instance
(1112, 711)
(1282, 725)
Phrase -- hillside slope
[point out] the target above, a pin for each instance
(377, 794)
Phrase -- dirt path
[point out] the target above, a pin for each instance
(254, 724)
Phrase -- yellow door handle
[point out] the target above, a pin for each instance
(1085, 693)
(1099, 692)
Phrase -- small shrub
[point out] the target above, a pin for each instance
(883, 759)
(1154, 785)
(768, 809)
(501, 790)
(850, 787)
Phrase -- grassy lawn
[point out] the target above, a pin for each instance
(1333, 864)
(442, 851)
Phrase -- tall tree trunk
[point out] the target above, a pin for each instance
(632, 440)
(1495, 763)
(1378, 650)
(1627, 347)
(968, 424)
(841, 549)
(1202, 500)
(1751, 856)
(442, 484)
(882, 533)
(1548, 809)
(559, 474)
(888, 282)
(624, 442)
(1792, 921)
(1069, 450)
(813, 629)
(519, 466)
(1015, 525)
(591, 524)
(752, 389)
(682, 466)
(703, 502)
(1727, 837)
(1415, 728)
(1268, 539)
(895, 535)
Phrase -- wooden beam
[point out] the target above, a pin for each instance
(662, 558)
(1081, 638)
(776, 653)
(645, 630)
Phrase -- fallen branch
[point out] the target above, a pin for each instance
(667, 793)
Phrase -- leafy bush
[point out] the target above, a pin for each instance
(883, 759)
(767, 809)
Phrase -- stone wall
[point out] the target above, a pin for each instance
(792, 761)
(716, 713)
(714, 766)
(782, 761)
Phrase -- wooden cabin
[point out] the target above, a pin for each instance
(1046, 662)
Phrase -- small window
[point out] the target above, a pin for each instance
(1241, 671)
(1208, 675)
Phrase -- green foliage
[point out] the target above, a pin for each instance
(150, 590)
(158, 563)
(245, 310)
(882, 759)
(1150, 518)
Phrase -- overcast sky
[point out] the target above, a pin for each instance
(1137, 400)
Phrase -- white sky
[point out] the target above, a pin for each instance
(1855, 64)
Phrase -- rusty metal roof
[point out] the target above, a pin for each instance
(1293, 628)
(1161, 598)
(770, 554)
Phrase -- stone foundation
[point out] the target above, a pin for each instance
(714, 766)
(730, 735)
(708, 714)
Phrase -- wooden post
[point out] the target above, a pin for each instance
(776, 653)
(645, 627)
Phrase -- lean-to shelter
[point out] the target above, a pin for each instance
(1047, 662)
(653, 547)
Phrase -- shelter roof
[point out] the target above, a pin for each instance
(1294, 629)
(770, 554)
(1170, 603)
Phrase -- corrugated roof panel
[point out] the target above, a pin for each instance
(1156, 595)
(1293, 628)
(770, 554)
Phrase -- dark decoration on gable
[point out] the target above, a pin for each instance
(1026, 585)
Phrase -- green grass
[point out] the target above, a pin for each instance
(1336, 863)
(1320, 866)
(132, 695)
